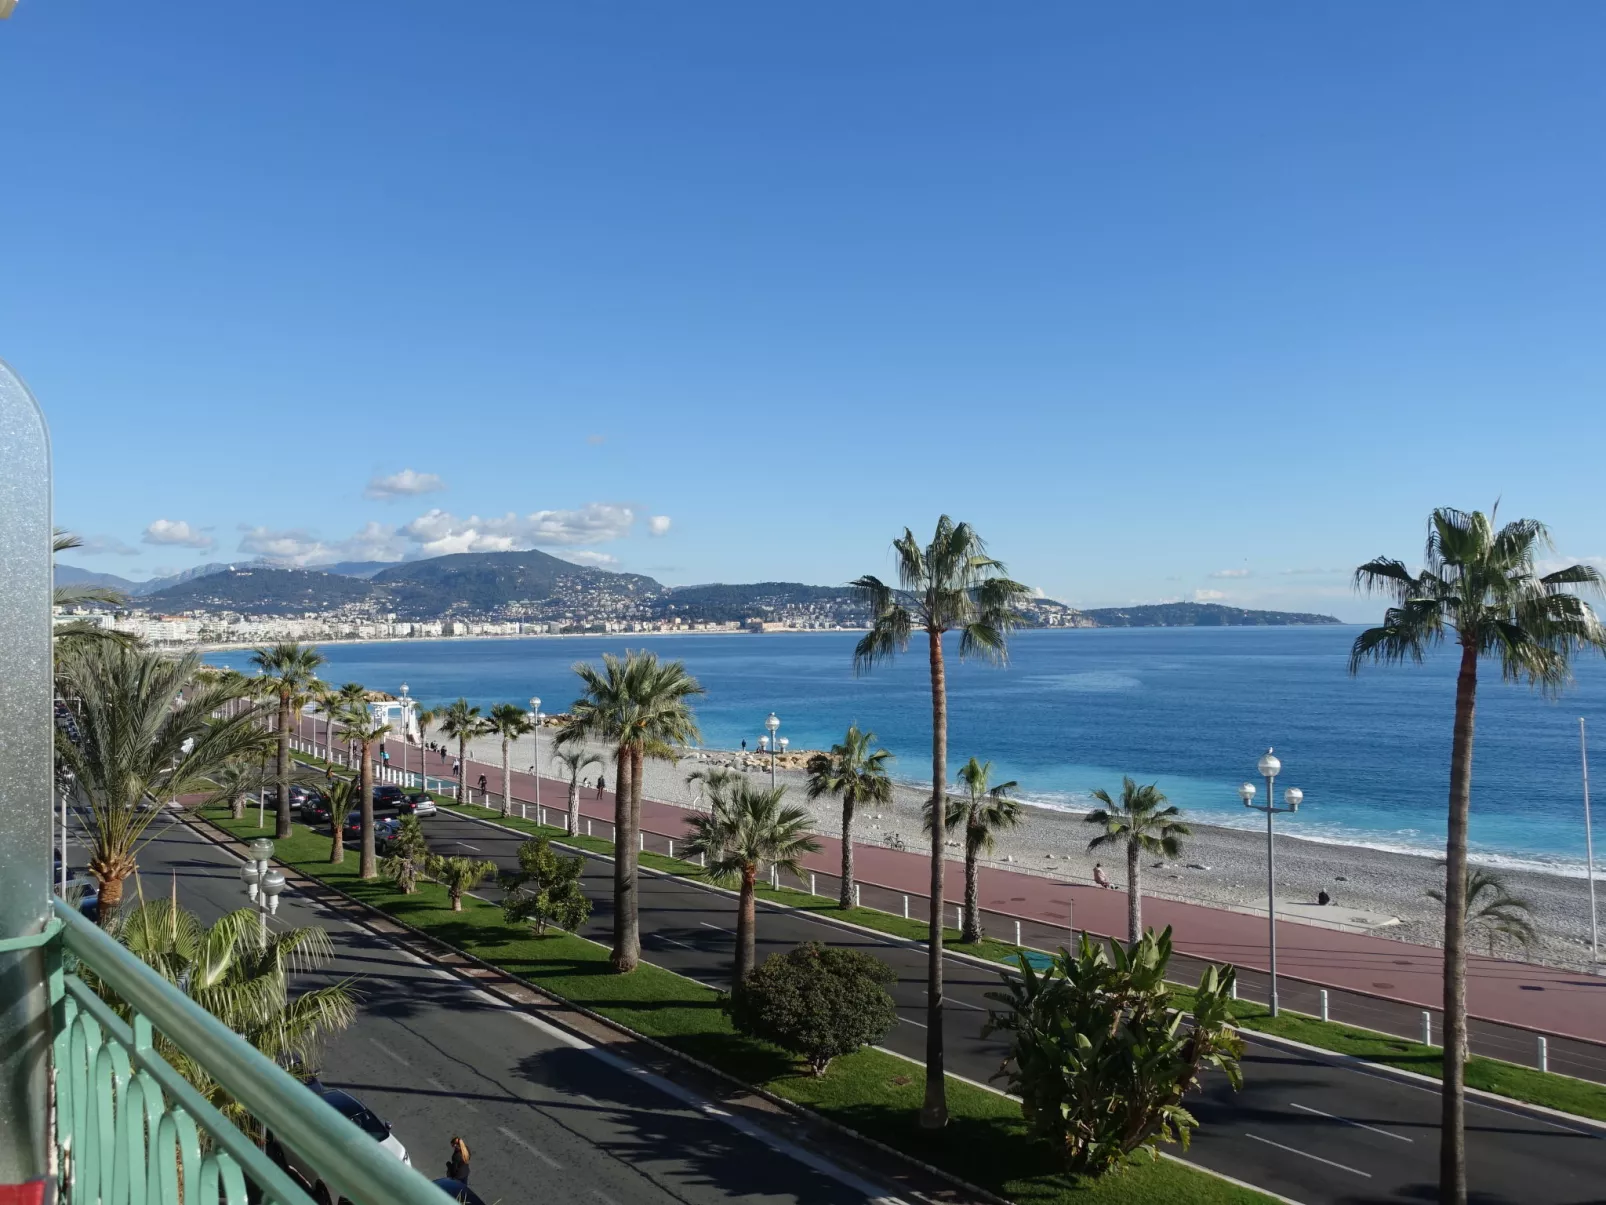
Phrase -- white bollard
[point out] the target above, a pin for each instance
(1234, 989)
(775, 878)
(1544, 1053)
(540, 816)
(1427, 1028)
(588, 826)
(858, 900)
(641, 841)
(906, 907)
(959, 917)
(671, 847)
(1017, 933)
(701, 860)
(1324, 1004)
(811, 884)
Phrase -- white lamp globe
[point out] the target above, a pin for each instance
(1247, 793)
(1293, 797)
(535, 704)
(1269, 765)
(773, 722)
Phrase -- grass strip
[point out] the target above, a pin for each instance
(873, 1092)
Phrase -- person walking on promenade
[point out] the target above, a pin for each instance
(457, 1165)
(484, 797)
(602, 784)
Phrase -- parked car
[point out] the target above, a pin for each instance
(328, 1185)
(315, 809)
(387, 796)
(460, 1192)
(385, 830)
(85, 892)
(417, 805)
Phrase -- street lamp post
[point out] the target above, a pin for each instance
(775, 744)
(263, 883)
(406, 731)
(535, 730)
(1269, 767)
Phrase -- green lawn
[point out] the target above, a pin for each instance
(871, 1091)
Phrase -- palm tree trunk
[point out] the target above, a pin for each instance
(366, 866)
(110, 895)
(746, 926)
(1134, 893)
(462, 770)
(337, 846)
(846, 900)
(281, 828)
(626, 924)
(934, 1112)
(574, 803)
(972, 928)
(507, 779)
(1452, 1138)
(237, 808)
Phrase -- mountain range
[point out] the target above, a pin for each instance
(538, 586)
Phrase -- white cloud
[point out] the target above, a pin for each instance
(177, 531)
(438, 532)
(585, 556)
(658, 525)
(104, 545)
(293, 547)
(1230, 573)
(409, 483)
(1208, 595)
(1310, 572)
(596, 441)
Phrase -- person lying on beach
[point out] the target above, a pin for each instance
(1099, 877)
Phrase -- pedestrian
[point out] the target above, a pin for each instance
(1099, 877)
(1323, 898)
(457, 1165)
(329, 771)
(384, 756)
(744, 744)
(602, 785)
(483, 797)
(457, 768)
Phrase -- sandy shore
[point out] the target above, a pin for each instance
(1221, 866)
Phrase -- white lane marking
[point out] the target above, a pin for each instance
(963, 1004)
(716, 928)
(590, 1100)
(672, 941)
(389, 1053)
(533, 1149)
(466, 845)
(1294, 1104)
(1296, 1151)
(907, 1021)
(435, 1083)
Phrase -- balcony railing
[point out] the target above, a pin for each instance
(130, 1130)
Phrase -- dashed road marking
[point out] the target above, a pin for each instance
(1293, 1104)
(1293, 1150)
(534, 1150)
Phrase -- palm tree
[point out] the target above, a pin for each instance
(330, 702)
(747, 829)
(575, 759)
(242, 977)
(139, 745)
(353, 696)
(950, 585)
(1493, 910)
(508, 721)
(234, 782)
(458, 875)
(712, 779)
(408, 856)
(1482, 584)
(855, 774)
(985, 809)
(362, 726)
(461, 722)
(290, 671)
(638, 706)
(343, 795)
(79, 592)
(1145, 823)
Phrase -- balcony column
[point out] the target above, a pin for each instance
(27, 727)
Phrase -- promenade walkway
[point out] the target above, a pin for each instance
(1522, 996)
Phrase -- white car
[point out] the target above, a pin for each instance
(417, 805)
(326, 1185)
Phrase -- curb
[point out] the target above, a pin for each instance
(779, 1101)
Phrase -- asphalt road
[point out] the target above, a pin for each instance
(1312, 1129)
(547, 1118)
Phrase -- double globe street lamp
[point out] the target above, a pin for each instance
(1269, 767)
(775, 744)
(263, 883)
(537, 718)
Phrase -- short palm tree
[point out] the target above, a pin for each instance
(747, 829)
(1493, 911)
(361, 726)
(508, 721)
(458, 875)
(462, 722)
(1144, 822)
(408, 856)
(711, 780)
(855, 773)
(289, 671)
(950, 585)
(575, 759)
(981, 812)
(1483, 584)
(243, 978)
(234, 783)
(638, 705)
(343, 794)
(139, 745)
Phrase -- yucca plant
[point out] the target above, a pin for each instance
(458, 875)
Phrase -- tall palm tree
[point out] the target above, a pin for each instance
(575, 758)
(1482, 584)
(1493, 911)
(290, 671)
(361, 725)
(508, 721)
(638, 706)
(856, 774)
(1144, 822)
(949, 585)
(984, 809)
(746, 830)
(138, 744)
(352, 696)
(329, 701)
(242, 977)
(461, 722)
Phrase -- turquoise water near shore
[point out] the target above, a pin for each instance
(1190, 708)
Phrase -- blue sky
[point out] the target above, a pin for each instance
(1171, 301)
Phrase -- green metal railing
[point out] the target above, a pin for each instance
(130, 1130)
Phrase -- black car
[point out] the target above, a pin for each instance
(314, 809)
(387, 797)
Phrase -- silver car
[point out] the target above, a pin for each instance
(326, 1185)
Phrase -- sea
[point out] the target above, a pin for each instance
(1191, 709)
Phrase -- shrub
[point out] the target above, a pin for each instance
(407, 856)
(1100, 1058)
(816, 1002)
(545, 890)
